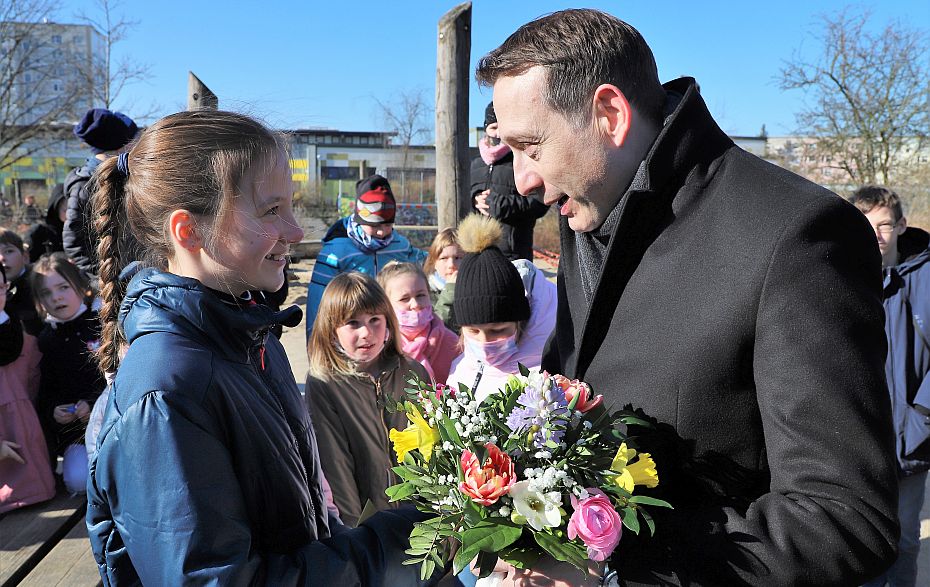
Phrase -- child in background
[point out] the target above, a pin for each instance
(506, 310)
(364, 241)
(19, 303)
(70, 379)
(442, 266)
(356, 365)
(423, 336)
(206, 468)
(25, 473)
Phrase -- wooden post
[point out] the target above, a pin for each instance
(452, 75)
(199, 96)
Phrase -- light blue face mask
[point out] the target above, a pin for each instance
(493, 353)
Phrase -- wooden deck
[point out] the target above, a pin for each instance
(46, 544)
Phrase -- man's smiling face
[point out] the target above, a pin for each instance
(555, 160)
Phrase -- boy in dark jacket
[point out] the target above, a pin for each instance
(494, 193)
(107, 134)
(906, 268)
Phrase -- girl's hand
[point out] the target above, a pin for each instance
(82, 410)
(64, 414)
(8, 450)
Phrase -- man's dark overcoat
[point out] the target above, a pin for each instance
(740, 305)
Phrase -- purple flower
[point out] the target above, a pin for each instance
(542, 406)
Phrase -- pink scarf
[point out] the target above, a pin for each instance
(490, 155)
(435, 348)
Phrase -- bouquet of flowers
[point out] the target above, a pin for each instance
(541, 467)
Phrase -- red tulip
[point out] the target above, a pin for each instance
(486, 483)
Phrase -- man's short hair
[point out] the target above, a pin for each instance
(869, 197)
(580, 50)
(8, 237)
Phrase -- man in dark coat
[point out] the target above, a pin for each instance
(494, 193)
(906, 262)
(107, 134)
(736, 303)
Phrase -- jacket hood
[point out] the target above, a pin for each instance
(913, 248)
(158, 301)
(51, 213)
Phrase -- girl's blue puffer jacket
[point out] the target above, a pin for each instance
(207, 468)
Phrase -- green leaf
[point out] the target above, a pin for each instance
(486, 563)
(521, 557)
(400, 492)
(462, 559)
(491, 536)
(646, 500)
(408, 474)
(523, 370)
(649, 523)
(566, 551)
(426, 571)
(630, 520)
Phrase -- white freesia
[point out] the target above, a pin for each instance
(541, 510)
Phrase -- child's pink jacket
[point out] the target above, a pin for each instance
(32, 482)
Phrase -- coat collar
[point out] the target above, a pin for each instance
(689, 140)
(157, 301)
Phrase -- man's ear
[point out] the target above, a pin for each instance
(902, 226)
(612, 114)
(183, 229)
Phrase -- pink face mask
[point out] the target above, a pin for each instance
(413, 322)
(495, 352)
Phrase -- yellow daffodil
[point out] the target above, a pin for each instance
(417, 436)
(641, 472)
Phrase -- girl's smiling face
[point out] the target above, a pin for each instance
(58, 296)
(362, 338)
(408, 291)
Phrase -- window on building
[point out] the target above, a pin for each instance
(56, 39)
(328, 140)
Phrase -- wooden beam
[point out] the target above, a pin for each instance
(199, 96)
(452, 75)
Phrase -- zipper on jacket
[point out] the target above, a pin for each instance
(280, 408)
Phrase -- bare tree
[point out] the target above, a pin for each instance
(867, 101)
(37, 101)
(409, 118)
(109, 77)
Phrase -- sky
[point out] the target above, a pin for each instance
(324, 64)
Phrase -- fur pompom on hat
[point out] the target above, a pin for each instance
(488, 287)
(374, 202)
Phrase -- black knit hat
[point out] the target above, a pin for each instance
(104, 130)
(489, 289)
(489, 115)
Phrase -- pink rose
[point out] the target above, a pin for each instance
(597, 523)
(577, 393)
(486, 483)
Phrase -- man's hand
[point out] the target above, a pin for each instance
(481, 204)
(548, 572)
(9, 450)
(64, 414)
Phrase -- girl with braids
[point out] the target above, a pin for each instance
(207, 468)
